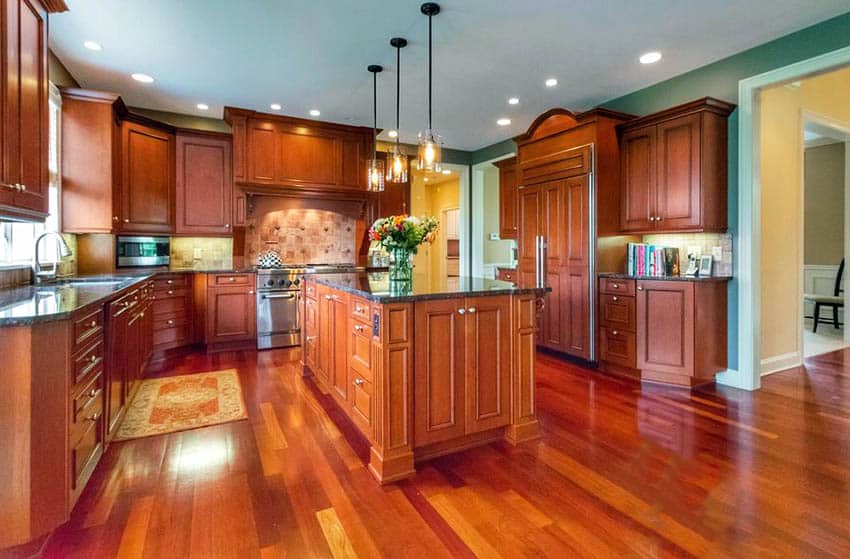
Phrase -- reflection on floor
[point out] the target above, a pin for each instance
(827, 339)
(622, 470)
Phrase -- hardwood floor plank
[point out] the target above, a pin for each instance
(335, 535)
(133, 538)
(464, 529)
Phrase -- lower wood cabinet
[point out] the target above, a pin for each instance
(231, 313)
(463, 363)
(667, 331)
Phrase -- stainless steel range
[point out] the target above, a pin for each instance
(279, 302)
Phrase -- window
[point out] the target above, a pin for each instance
(17, 239)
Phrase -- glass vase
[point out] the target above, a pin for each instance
(401, 265)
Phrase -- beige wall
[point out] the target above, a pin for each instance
(430, 199)
(495, 252)
(781, 176)
(824, 198)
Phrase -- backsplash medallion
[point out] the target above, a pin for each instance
(302, 236)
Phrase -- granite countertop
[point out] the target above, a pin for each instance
(375, 286)
(614, 275)
(29, 304)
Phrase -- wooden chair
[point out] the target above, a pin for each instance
(835, 301)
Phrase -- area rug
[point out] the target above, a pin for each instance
(170, 404)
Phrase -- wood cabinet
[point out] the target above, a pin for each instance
(231, 309)
(172, 311)
(204, 184)
(508, 218)
(667, 331)
(91, 161)
(463, 364)
(147, 179)
(674, 169)
(24, 110)
(301, 154)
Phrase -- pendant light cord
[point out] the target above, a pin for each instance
(374, 116)
(397, 92)
(430, 72)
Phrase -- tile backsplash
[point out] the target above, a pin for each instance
(201, 252)
(702, 244)
(302, 235)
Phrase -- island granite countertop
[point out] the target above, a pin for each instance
(375, 286)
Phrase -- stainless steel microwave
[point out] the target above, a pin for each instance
(142, 251)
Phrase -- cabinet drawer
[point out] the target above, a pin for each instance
(222, 280)
(506, 274)
(617, 311)
(361, 404)
(87, 328)
(171, 320)
(613, 286)
(89, 361)
(171, 336)
(172, 292)
(171, 281)
(361, 349)
(617, 347)
(311, 291)
(88, 402)
(86, 446)
(171, 305)
(360, 309)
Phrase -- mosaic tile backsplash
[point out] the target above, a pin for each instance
(703, 243)
(302, 236)
(201, 252)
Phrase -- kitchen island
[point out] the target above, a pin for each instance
(425, 370)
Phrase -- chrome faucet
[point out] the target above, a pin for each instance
(64, 251)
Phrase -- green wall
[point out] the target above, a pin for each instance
(720, 79)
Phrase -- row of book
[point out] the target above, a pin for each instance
(652, 261)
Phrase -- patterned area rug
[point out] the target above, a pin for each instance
(170, 404)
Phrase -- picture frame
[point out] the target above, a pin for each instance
(705, 262)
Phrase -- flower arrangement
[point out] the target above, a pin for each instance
(401, 236)
(404, 232)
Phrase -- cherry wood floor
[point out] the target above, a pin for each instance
(621, 471)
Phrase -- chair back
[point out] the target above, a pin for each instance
(838, 289)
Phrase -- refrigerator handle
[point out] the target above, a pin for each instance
(540, 260)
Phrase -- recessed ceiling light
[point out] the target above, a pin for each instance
(91, 45)
(315, 112)
(503, 121)
(551, 82)
(144, 78)
(650, 57)
(275, 106)
(513, 101)
(392, 134)
(202, 106)
(447, 172)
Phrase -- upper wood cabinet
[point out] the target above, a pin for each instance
(91, 161)
(24, 110)
(508, 221)
(674, 169)
(147, 180)
(204, 184)
(294, 153)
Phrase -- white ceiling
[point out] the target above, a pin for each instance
(313, 53)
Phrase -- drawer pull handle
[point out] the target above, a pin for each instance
(92, 392)
(169, 282)
(93, 358)
(461, 311)
(231, 279)
(328, 297)
(359, 328)
(471, 311)
(171, 292)
(358, 308)
(94, 417)
(93, 323)
(358, 382)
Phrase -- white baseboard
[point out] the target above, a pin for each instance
(781, 362)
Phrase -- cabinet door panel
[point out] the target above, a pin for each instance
(529, 229)
(147, 188)
(488, 366)
(340, 347)
(508, 222)
(309, 159)
(440, 371)
(33, 107)
(262, 152)
(665, 329)
(678, 182)
(638, 176)
(231, 314)
(325, 308)
(575, 301)
(10, 138)
(204, 185)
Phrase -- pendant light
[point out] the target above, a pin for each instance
(397, 163)
(429, 155)
(376, 166)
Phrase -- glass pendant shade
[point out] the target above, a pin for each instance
(397, 165)
(376, 175)
(429, 157)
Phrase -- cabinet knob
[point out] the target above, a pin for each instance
(640, 288)
(93, 324)
(227, 226)
(171, 292)
(461, 311)
(23, 188)
(94, 417)
(169, 322)
(471, 311)
(615, 286)
(231, 279)
(615, 332)
(92, 392)
(328, 297)
(358, 308)
(93, 358)
(126, 221)
(358, 382)
(615, 298)
(114, 218)
(169, 282)
(251, 292)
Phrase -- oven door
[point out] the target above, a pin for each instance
(278, 319)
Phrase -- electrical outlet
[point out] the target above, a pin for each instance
(198, 254)
(717, 253)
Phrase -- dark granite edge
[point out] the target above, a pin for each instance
(400, 298)
(615, 275)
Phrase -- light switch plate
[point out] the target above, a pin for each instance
(717, 253)
(494, 236)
